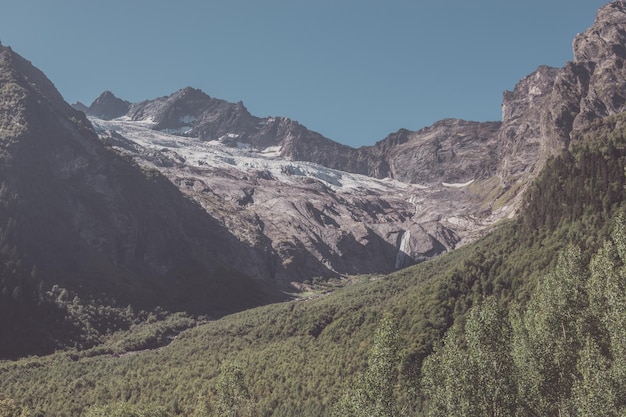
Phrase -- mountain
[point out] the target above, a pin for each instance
(76, 215)
(426, 157)
(107, 106)
(562, 140)
(190, 202)
(444, 185)
(312, 220)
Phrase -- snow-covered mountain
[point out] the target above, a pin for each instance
(309, 220)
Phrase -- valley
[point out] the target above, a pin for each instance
(182, 257)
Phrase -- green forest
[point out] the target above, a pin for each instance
(528, 321)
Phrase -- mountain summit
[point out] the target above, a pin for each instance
(107, 106)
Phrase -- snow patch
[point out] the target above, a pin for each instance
(183, 130)
(222, 154)
(456, 185)
(187, 119)
(271, 151)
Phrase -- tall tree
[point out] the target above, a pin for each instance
(447, 379)
(472, 374)
(488, 334)
(548, 336)
(602, 363)
(373, 393)
(233, 397)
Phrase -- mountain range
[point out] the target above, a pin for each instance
(190, 203)
(290, 192)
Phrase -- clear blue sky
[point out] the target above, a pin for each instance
(353, 70)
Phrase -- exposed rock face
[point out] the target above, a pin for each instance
(599, 56)
(545, 111)
(590, 87)
(310, 221)
(193, 113)
(520, 142)
(107, 106)
(602, 51)
(451, 151)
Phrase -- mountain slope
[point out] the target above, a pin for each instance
(77, 215)
(312, 220)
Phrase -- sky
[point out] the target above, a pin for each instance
(352, 70)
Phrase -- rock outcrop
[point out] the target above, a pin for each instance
(599, 65)
(451, 151)
(546, 110)
(520, 140)
(107, 106)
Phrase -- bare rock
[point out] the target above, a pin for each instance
(107, 106)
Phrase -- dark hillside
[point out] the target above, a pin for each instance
(76, 215)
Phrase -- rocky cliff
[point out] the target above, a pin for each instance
(547, 109)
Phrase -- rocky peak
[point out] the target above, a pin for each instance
(605, 39)
(191, 112)
(394, 139)
(528, 93)
(24, 87)
(108, 107)
(546, 109)
(599, 70)
(80, 106)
